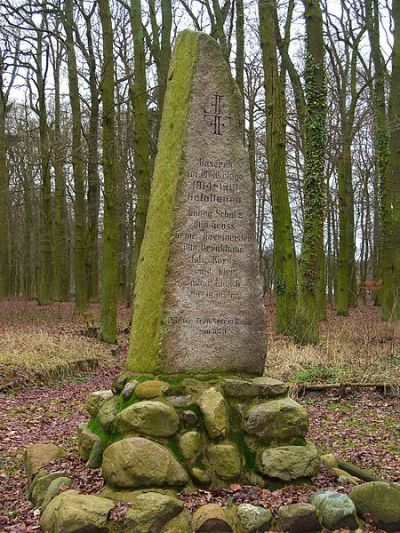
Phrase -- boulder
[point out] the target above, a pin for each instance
(40, 485)
(137, 462)
(344, 478)
(120, 381)
(200, 475)
(96, 455)
(54, 488)
(225, 461)
(96, 400)
(148, 417)
(336, 511)
(39, 455)
(328, 460)
(128, 390)
(190, 418)
(86, 440)
(71, 512)
(180, 524)
(151, 389)
(107, 413)
(211, 517)
(381, 501)
(254, 517)
(214, 410)
(299, 518)
(190, 443)
(276, 420)
(289, 462)
(150, 511)
(262, 387)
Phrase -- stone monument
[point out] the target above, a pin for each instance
(190, 411)
(198, 299)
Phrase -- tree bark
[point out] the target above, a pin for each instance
(80, 233)
(109, 304)
(314, 179)
(285, 282)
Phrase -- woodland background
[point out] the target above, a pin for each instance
(82, 85)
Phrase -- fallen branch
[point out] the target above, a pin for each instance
(327, 386)
(356, 471)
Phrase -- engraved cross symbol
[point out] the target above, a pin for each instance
(217, 115)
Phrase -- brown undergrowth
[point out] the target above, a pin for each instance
(358, 348)
(41, 344)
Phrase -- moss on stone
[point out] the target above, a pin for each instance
(236, 435)
(106, 438)
(152, 268)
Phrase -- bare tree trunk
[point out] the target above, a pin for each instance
(109, 304)
(80, 234)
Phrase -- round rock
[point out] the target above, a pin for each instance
(150, 389)
(149, 417)
(70, 512)
(211, 517)
(277, 420)
(225, 460)
(380, 500)
(137, 462)
(254, 517)
(335, 510)
(289, 462)
(299, 518)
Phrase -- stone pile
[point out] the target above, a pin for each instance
(156, 510)
(197, 432)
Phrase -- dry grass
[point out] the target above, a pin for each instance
(358, 348)
(42, 343)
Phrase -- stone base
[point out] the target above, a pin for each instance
(177, 431)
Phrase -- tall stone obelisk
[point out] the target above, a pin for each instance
(198, 299)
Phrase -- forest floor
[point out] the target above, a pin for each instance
(49, 364)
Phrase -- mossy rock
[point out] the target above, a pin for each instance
(150, 389)
(277, 420)
(381, 501)
(54, 489)
(299, 518)
(190, 444)
(39, 455)
(40, 485)
(96, 400)
(225, 461)
(215, 412)
(86, 441)
(107, 414)
(253, 517)
(150, 512)
(262, 387)
(211, 517)
(70, 512)
(336, 511)
(289, 463)
(180, 524)
(137, 462)
(148, 417)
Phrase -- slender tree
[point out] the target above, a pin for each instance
(80, 233)
(141, 130)
(394, 158)
(60, 242)
(285, 281)
(382, 188)
(109, 304)
(312, 253)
